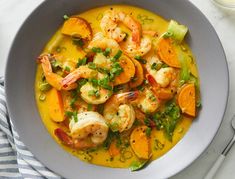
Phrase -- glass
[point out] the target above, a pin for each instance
(226, 3)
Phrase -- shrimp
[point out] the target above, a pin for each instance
(53, 79)
(94, 95)
(99, 41)
(81, 72)
(147, 101)
(133, 50)
(89, 93)
(109, 26)
(103, 42)
(164, 81)
(119, 113)
(90, 130)
(163, 76)
(136, 45)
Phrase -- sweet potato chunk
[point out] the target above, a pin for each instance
(140, 143)
(55, 104)
(187, 100)
(139, 74)
(113, 150)
(167, 53)
(129, 70)
(77, 27)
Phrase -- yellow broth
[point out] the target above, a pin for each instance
(63, 45)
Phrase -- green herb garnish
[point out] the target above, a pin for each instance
(141, 88)
(107, 52)
(89, 107)
(73, 101)
(96, 50)
(137, 165)
(66, 17)
(168, 119)
(95, 93)
(148, 131)
(81, 62)
(93, 81)
(199, 104)
(140, 59)
(167, 35)
(92, 65)
(44, 86)
(67, 69)
(117, 56)
(100, 108)
(42, 97)
(104, 83)
(77, 41)
(154, 66)
(72, 115)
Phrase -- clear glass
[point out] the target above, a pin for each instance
(226, 3)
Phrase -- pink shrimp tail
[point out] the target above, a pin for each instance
(132, 95)
(63, 136)
(70, 78)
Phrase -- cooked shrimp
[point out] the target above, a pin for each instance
(133, 50)
(53, 79)
(163, 76)
(90, 130)
(94, 95)
(164, 81)
(147, 101)
(81, 72)
(119, 113)
(99, 41)
(103, 42)
(109, 26)
(153, 62)
(89, 93)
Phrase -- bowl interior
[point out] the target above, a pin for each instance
(20, 76)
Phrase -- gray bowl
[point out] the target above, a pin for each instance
(21, 69)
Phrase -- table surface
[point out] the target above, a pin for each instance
(13, 13)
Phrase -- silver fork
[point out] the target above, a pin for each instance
(222, 156)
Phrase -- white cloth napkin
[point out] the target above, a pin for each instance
(16, 161)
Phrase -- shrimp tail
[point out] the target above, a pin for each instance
(64, 137)
(130, 96)
(70, 78)
(45, 61)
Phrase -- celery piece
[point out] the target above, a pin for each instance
(176, 31)
(185, 72)
(137, 165)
